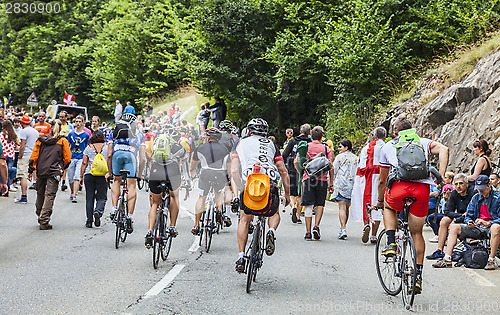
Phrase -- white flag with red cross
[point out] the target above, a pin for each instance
(69, 99)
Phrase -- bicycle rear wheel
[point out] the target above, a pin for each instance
(123, 225)
(409, 272)
(209, 228)
(252, 260)
(157, 241)
(118, 220)
(387, 267)
(166, 240)
(202, 227)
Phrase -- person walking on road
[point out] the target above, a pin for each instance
(344, 167)
(96, 187)
(51, 155)
(78, 140)
(9, 140)
(28, 137)
(118, 111)
(315, 189)
(365, 186)
(289, 155)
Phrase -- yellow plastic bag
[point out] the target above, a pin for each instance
(99, 166)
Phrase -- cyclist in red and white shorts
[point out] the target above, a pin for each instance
(419, 189)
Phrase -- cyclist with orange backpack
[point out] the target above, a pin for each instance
(254, 149)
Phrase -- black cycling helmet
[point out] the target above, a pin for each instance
(130, 118)
(258, 126)
(226, 125)
(213, 133)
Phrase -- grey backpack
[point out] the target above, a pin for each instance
(412, 162)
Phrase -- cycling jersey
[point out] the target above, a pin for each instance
(388, 156)
(212, 156)
(255, 149)
(227, 140)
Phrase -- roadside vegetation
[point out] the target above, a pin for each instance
(339, 63)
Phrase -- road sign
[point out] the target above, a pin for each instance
(32, 101)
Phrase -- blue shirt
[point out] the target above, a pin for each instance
(129, 110)
(433, 200)
(78, 143)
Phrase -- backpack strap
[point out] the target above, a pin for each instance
(93, 147)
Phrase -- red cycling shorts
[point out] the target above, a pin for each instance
(402, 189)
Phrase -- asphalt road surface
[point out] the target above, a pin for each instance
(75, 270)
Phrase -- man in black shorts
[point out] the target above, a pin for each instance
(165, 170)
(289, 156)
(214, 159)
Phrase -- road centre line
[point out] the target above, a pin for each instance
(480, 280)
(194, 247)
(162, 284)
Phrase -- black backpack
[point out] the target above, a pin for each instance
(475, 256)
(124, 130)
(412, 161)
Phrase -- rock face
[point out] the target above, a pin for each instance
(458, 115)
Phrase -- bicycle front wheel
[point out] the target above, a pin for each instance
(166, 240)
(157, 241)
(409, 272)
(387, 267)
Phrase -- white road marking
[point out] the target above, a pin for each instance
(162, 284)
(480, 280)
(195, 246)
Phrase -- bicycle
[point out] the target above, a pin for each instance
(399, 273)
(255, 252)
(162, 239)
(144, 182)
(207, 221)
(120, 217)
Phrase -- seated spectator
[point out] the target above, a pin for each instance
(448, 178)
(434, 219)
(482, 220)
(455, 211)
(495, 181)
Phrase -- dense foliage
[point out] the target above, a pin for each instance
(290, 61)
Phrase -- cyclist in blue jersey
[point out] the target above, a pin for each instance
(125, 148)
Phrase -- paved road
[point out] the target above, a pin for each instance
(72, 269)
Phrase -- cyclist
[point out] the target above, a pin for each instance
(165, 168)
(250, 150)
(228, 139)
(123, 152)
(394, 196)
(289, 155)
(213, 157)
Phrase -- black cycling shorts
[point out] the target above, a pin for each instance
(211, 178)
(314, 192)
(169, 173)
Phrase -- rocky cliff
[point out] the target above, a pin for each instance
(459, 114)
